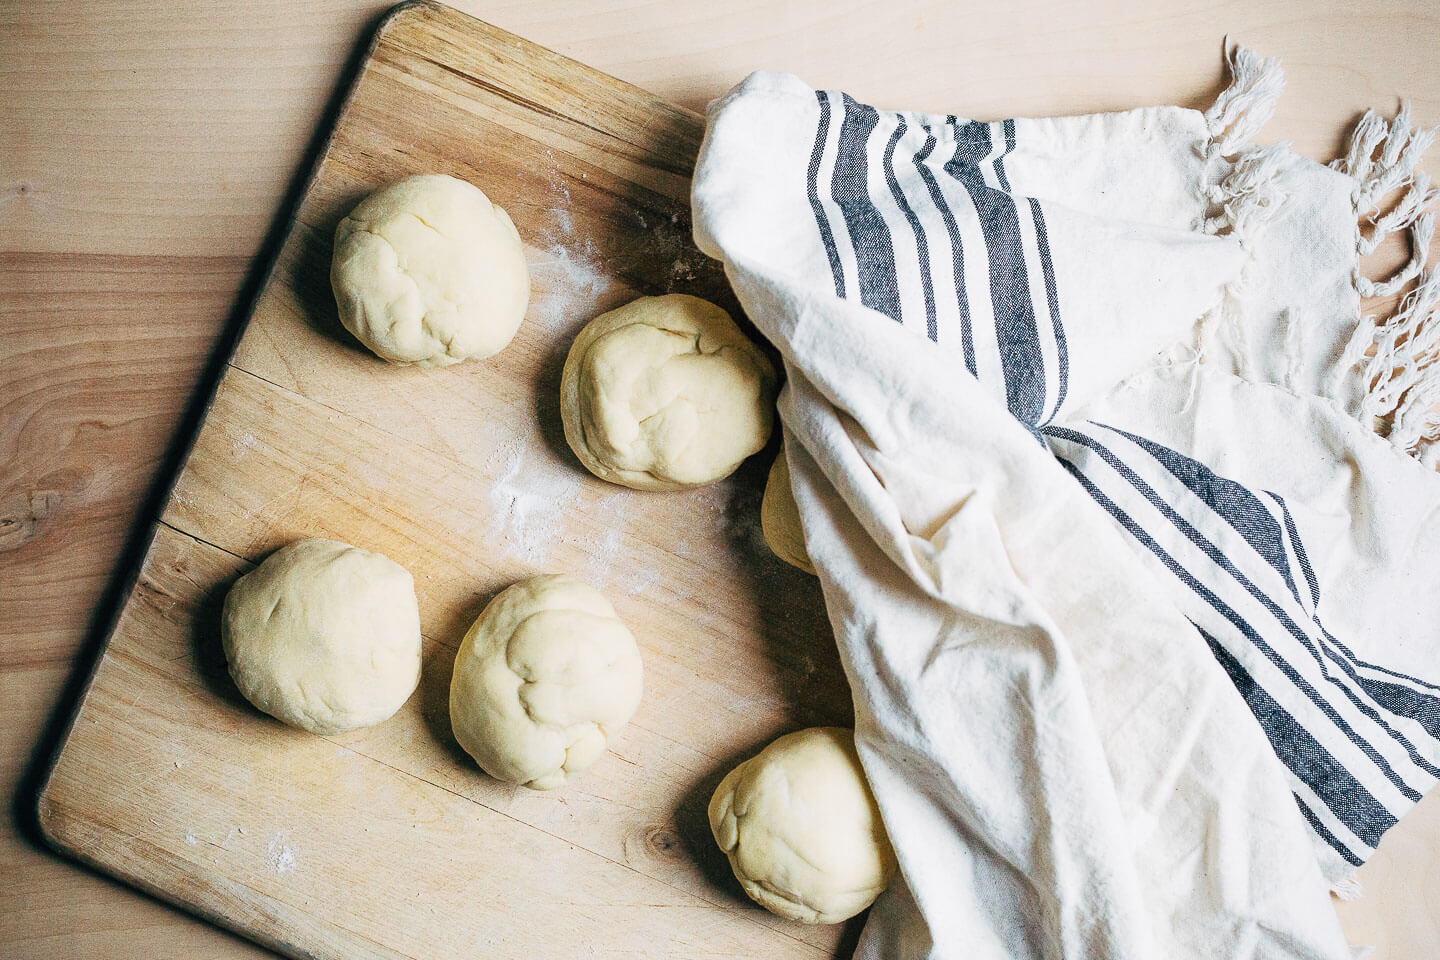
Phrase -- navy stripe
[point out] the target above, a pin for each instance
(1402, 701)
(1052, 297)
(1008, 127)
(812, 186)
(1358, 810)
(1309, 573)
(1234, 503)
(1015, 331)
(1405, 702)
(927, 284)
(1326, 835)
(1247, 514)
(1220, 560)
(874, 253)
(1298, 546)
(957, 250)
(1296, 747)
(1377, 668)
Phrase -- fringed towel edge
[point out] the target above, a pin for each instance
(1398, 356)
(1243, 182)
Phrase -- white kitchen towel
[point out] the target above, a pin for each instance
(1137, 607)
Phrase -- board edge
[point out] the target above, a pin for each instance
(34, 804)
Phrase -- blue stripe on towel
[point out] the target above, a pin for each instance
(957, 248)
(874, 252)
(1326, 776)
(1015, 330)
(927, 285)
(812, 185)
(1361, 813)
(1052, 297)
(1257, 637)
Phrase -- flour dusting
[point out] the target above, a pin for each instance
(608, 564)
(570, 287)
(190, 836)
(528, 500)
(281, 854)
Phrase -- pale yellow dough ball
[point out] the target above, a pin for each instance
(802, 830)
(665, 393)
(324, 636)
(427, 271)
(543, 680)
(780, 518)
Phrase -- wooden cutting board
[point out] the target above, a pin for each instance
(390, 842)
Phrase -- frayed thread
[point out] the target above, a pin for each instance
(1401, 369)
(1250, 193)
(1348, 888)
(1378, 175)
(1244, 182)
(1247, 104)
(1398, 355)
(1382, 159)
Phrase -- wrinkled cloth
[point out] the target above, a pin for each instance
(1135, 604)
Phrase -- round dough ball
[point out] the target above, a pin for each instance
(544, 678)
(780, 518)
(801, 829)
(324, 636)
(665, 393)
(428, 271)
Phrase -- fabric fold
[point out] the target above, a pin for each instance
(1085, 588)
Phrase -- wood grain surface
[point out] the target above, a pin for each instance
(145, 147)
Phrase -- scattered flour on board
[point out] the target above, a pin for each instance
(529, 499)
(190, 836)
(238, 448)
(607, 565)
(281, 854)
(570, 288)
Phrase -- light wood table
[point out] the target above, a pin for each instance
(145, 147)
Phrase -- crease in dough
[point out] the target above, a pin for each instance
(545, 677)
(666, 393)
(428, 271)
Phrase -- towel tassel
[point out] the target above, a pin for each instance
(1398, 355)
(1246, 105)
(1243, 181)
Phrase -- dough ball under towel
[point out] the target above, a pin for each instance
(324, 636)
(544, 678)
(428, 271)
(665, 393)
(801, 828)
(780, 518)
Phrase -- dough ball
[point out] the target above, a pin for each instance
(544, 678)
(428, 271)
(324, 636)
(665, 393)
(780, 518)
(801, 828)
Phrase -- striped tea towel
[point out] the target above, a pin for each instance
(1139, 611)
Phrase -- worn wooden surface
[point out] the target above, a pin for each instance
(144, 148)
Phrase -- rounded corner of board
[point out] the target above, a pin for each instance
(45, 821)
(404, 11)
